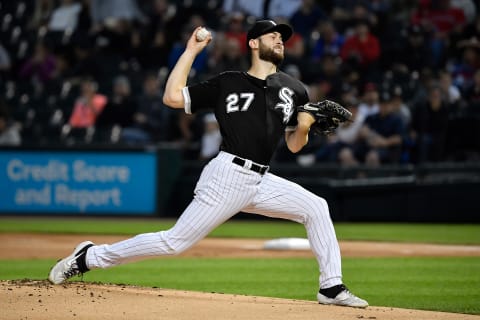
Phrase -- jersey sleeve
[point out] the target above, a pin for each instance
(302, 98)
(201, 96)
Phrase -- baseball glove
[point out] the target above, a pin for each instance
(328, 116)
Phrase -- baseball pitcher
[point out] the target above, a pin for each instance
(254, 109)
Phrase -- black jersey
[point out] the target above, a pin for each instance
(253, 114)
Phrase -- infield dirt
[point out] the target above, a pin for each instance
(34, 299)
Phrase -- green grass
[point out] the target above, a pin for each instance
(417, 283)
(444, 284)
(402, 232)
(410, 232)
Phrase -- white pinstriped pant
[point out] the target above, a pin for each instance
(224, 189)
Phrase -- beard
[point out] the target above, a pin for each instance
(268, 54)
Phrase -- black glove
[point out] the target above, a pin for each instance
(328, 115)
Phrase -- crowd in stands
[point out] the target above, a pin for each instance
(76, 72)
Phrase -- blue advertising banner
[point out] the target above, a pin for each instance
(78, 182)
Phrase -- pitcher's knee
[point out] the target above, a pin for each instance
(320, 209)
(173, 245)
(320, 204)
(176, 250)
(176, 247)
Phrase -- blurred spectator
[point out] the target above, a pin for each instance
(328, 81)
(429, 127)
(196, 20)
(414, 54)
(345, 13)
(380, 7)
(153, 53)
(440, 20)
(282, 8)
(84, 19)
(262, 9)
(120, 107)
(399, 107)
(363, 11)
(40, 66)
(293, 71)
(231, 58)
(463, 70)
(85, 60)
(9, 132)
(112, 23)
(350, 76)
(252, 7)
(41, 14)
(236, 30)
(330, 41)
(5, 62)
(65, 16)
(110, 12)
(419, 87)
(438, 17)
(41, 62)
(116, 38)
(211, 138)
(306, 18)
(472, 30)
(468, 7)
(472, 94)
(348, 95)
(156, 40)
(347, 133)
(187, 124)
(362, 49)
(200, 63)
(152, 121)
(62, 68)
(342, 140)
(452, 93)
(379, 140)
(469, 37)
(369, 104)
(159, 14)
(88, 106)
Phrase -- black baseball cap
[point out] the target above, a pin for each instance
(262, 27)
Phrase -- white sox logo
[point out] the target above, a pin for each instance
(285, 94)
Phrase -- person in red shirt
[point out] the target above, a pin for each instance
(441, 21)
(88, 106)
(439, 17)
(362, 48)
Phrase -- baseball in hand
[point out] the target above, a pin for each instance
(202, 34)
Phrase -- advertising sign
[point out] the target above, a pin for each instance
(78, 182)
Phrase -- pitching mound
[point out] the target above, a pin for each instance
(28, 299)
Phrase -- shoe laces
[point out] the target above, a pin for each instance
(72, 271)
(349, 294)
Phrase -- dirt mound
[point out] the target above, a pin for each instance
(29, 299)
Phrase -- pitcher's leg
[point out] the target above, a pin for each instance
(221, 192)
(280, 198)
(324, 243)
(194, 224)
